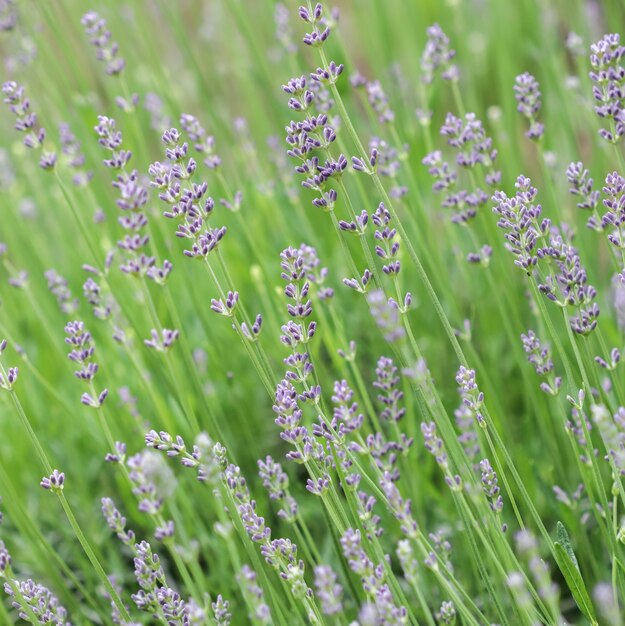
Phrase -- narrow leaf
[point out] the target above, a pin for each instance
(565, 557)
(565, 542)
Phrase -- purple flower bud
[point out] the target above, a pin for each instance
(55, 482)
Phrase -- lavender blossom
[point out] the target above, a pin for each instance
(281, 554)
(313, 134)
(59, 288)
(568, 286)
(378, 100)
(613, 220)
(329, 592)
(70, 147)
(527, 95)
(539, 355)
(521, 220)
(133, 196)
(442, 550)
(372, 578)
(117, 522)
(55, 482)
(101, 38)
(5, 560)
(188, 205)
(314, 273)
(407, 560)
(153, 104)
(387, 381)
(298, 332)
(388, 162)
(8, 377)
(470, 394)
(438, 55)
(8, 15)
(360, 285)
(26, 122)
(221, 612)
(284, 31)
(150, 577)
(386, 452)
(399, 507)
(40, 600)
(490, 486)
(447, 613)
(345, 410)
(388, 246)
(203, 142)
(247, 580)
(473, 149)
(152, 481)
(607, 75)
(387, 315)
(527, 546)
(82, 351)
(276, 482)
(434, 444)
(20, 280)
(164, 341)
(582, 186)
(103, 305)
(320, 29)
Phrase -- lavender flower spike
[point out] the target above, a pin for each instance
(330, 593)
(40, 600)
(100, 37)
(82, 351)
(220, 611)
(581, 185)
(539, 355)
(26, 122)
(162, 342)
(527, 94)
(490, 486)
(438, 55)
(607, 75)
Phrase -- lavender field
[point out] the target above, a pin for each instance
(312, 314)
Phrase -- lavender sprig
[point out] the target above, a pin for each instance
(26, 122)
(527, 95)
(490, 486)
(438, 56)
(608, 76)
(8, 377)
(101, 38)
(320, 29)
(59, 288)
(82, 351)
(539, 355)
(329, 592)
(247, 580)
(521, 220)
(582, 186)
(70, 147)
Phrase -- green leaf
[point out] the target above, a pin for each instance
(565, 542)
(567, 562)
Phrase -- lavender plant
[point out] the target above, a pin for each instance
(385, 390)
